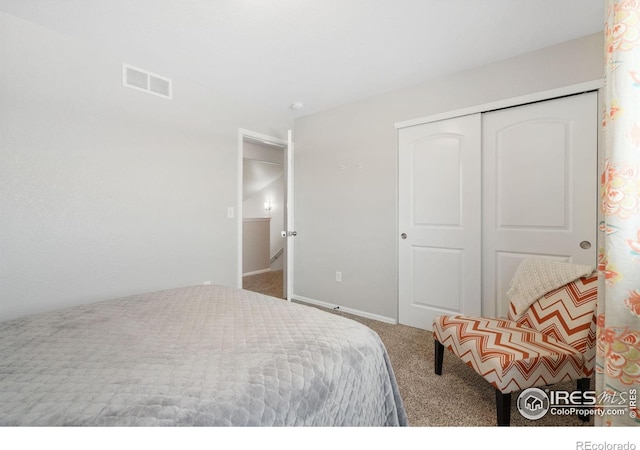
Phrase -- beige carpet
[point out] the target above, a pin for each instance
(268, 283)
(459, 397)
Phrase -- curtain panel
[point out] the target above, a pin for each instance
(618, 318)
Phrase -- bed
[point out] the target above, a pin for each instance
(195, 356)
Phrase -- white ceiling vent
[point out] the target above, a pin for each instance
(143, 80)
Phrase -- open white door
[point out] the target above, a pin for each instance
(289, 233)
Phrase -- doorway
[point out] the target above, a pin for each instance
(263, 214)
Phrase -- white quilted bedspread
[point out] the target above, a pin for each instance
(195, 356)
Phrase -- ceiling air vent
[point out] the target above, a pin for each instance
(143, 80)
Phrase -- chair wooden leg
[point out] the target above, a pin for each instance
(583, 385)
(439, 356)
(503, 408)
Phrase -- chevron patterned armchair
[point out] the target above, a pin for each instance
(552, 342)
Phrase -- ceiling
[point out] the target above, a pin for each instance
(322, 53)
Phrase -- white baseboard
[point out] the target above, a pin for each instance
(256, 272)
(355, 312)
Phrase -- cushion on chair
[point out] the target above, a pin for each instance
(509, 356)
(535, 277)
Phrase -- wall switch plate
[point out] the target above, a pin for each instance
(230, 212)
(339, 276)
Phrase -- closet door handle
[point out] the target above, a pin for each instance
(403, 235)
(585, 245)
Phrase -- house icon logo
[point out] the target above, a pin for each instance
(533, 403)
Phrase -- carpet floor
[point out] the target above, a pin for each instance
(459, 397)
(268, 283)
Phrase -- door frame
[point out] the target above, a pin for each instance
(269, 140)
(595, 85)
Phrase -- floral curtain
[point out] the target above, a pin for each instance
(618, 330)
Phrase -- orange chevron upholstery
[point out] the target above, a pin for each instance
(553, 341)
(568, 315)
(508, 356)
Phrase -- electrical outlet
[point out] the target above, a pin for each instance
(230, 212)
(207, 283)
(339, 276)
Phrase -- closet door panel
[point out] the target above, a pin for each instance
(439, 220)
(437, 265)
(436, 185)
(523, 153)
(539, 189)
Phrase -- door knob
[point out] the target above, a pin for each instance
(585, 245)
(288, 233)
(403, 235)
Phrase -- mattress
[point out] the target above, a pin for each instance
(195, 356)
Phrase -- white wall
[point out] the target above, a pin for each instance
(346, 171)
(107, 191)
(254, 207)
(255, 245)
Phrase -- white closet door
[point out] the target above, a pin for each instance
(439, 220)
(540, 189)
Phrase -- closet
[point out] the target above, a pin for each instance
(480, 192)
